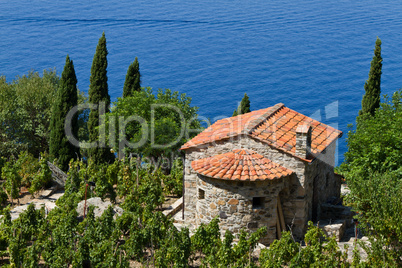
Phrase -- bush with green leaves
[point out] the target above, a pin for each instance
(280, 252)
(373, 172)
(33, 173)
(27, 166)
(207, 245)
(5, 232)
(42, 178)
(2, 162)
(3, 196)
(175, 249)
(12, 184)
(319, 251)
(173, 182)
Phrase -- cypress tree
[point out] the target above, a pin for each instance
(98, 92)
(133, 79)
(66, 98)
(244, 106)
(371, 99)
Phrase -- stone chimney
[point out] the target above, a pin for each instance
(303, 140)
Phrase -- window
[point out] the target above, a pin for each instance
(258, 202)
(201, 193)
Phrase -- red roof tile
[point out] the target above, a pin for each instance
(240, 164)
(275, 125)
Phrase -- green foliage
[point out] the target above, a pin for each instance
(25, 109)
(244, 106)
(42, 178)
(175, 249)
(75, 185)
(169, 120)
(22, 232)
(5, 232)
(245, 246)
(34, 174)
(320, 251)
(280, 252)
(148, 193)
(27, 166)
(373, 172)
(98, 174)
(214, 252)
(371, 100)
(3, 196)
(378, 200)
(133, 79)
(318, 254)
(206, 238)
(376, 144)
(29, 222)
(126, 180)
(113, 171)
(381, 254)
(13, 180)
(81, 174)
(173, 182)
(98, 92)
(66, 99)
(2, 162)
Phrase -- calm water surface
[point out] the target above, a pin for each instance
(314, 56)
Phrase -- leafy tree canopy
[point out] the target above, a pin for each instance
(169, 117)
(25, 108)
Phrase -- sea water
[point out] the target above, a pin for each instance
(313, 56)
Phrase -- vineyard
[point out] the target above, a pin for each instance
(142, 235)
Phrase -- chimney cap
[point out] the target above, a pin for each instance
(303, 128)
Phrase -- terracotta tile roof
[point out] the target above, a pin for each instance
(279, 130)
(241, 165)
(275, 125)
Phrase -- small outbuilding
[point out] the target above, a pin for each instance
(272, 167)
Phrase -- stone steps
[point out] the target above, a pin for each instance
(336, 212)
(336, 228)
(335, 219)
(174, 208)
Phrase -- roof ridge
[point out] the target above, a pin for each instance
(261, 119)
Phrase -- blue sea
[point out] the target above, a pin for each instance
(314, 56)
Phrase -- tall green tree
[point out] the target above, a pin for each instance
(66, 98)
(98, 94)
(244, 106)
(133, 79)
(371, 99)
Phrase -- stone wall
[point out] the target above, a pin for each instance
(326, 185)
(232, 202)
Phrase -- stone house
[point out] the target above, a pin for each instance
(272, 167)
